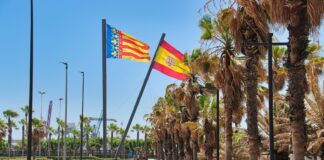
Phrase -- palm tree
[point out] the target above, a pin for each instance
(315, 102)
(195, 132)
(75, 133)
(145, 129)
(23, 123)
(25, 110)
(226, 70)
(207, 113)
(156, 118)
(113, 129)
(315, 116)
(88, 130)
(301, 18)
(3, 128)
(137, 127)
(178, 99)
(10, 114)
(250, 26)
(38, 134)
(281, 123)
(121, 132)
(49, 146)
(60, 130)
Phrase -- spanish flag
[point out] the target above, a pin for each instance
(124, 46)
(170, 61)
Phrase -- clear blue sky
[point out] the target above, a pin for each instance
(71, 31)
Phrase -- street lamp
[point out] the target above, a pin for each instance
(41, 117)
(31, 73)
(81, 147)
(65, 121)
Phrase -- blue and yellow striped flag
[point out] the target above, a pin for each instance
(124, 46)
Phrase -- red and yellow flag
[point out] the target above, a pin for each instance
(170, 61)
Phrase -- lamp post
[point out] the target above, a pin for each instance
(41, 117)
(58, 138)
(65, 120)
(81, 147)
(31, 69)
(217, 125)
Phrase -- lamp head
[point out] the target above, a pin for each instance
(40, 92)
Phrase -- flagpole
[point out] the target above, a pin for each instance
(104, 86)
(138, 99)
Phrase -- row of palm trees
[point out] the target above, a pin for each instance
(6, 128)
(49, 144)
(183, 120)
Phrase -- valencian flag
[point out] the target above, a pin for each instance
(124, 46)
(170, 61)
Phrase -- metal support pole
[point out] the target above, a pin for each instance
(65, 121)
(30, 108)
(217, 125)
(81, 146)
(138, 99)
(271, 135)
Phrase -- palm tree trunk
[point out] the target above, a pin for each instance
(180, 146)
(74, 145)
(208, 139)
(49, 144)
(188, 153)
(174, 148)
(249, 31)
(23, 140)
(160, 153)
(298, 41)
(87, 139)
(62, 136)
(111, 140)
(9, 136)
(58, 141)
(195, 149)
(137, 139)
(228, 132)
(252, 111)
(145, 143)
(167, 146)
